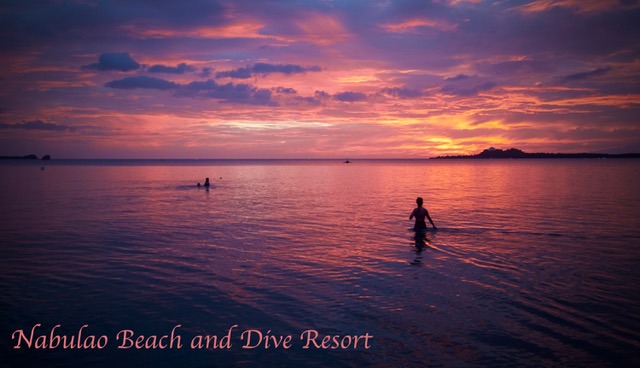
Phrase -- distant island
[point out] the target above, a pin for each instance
(516, 153)
(27, 157)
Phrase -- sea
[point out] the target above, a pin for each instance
(313, 263)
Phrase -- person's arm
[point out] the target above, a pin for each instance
(431, 221)
(412, 214)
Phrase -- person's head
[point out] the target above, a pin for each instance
(419, 201)
(207, 179)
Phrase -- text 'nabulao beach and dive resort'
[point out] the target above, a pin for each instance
(57, 338)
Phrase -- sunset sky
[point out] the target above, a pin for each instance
(317, 79)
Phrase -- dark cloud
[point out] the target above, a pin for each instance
(36, 125)
(350, 96)
(311, 101)
(242, 73)
(40, 22)
(562, 32)
(286, 91)
(120, 61)
(515, 67)
(181, 68)
(402, 92)
(451, 89)
(205, 72)
(550, 95)
(584, 75)
(197, 86)
(142, 82)
(490, 30)
(458, 77)
(231, 93)
(264, 68)
(178, 13)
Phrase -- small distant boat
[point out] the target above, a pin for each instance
(347, 162)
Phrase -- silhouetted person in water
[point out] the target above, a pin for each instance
(206, 183)
(421, 213)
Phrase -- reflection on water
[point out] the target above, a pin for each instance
(534, 263)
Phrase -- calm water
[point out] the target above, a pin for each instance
(536, 262)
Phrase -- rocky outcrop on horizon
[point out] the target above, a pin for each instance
(511, 153)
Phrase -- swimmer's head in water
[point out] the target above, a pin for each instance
(419, 201)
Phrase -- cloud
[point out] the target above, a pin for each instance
(120, 61)
(350, 96)
(513, 67)
(467, 92)
(242, 73)
(416, 24)
(142, 82)
(36, 125)
(232, 93)
(402, 92)
(205, 72)
(264, 68)
(45, 20)
(284, 90)
(579, 6)
(181, 68)
(458, 77)
(584, 75)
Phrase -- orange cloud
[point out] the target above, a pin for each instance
(322, 29)
(413, 25)
(240, 29)
(580, 6)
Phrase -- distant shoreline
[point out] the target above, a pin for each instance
(27, 157)
(511, 153)
(514, 153)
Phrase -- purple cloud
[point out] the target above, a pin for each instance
(467, 92)
(41, 22)
(264, 68)
(205, 72)
(286, 91)
(584, 75)
(181, 68)
(350, 96)
(120, 61)
(516, 67)
(231, 93)
(402, 92)
(36, 125)
(142, 82)
(458, 77)
(242, 73)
